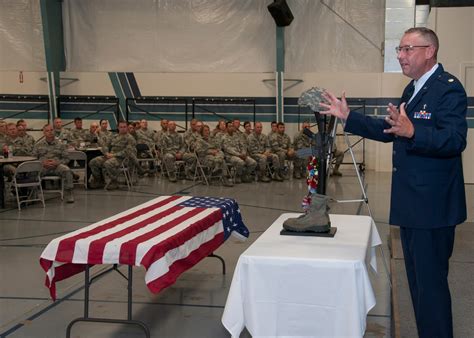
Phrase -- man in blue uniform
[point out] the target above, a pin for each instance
(428, 132)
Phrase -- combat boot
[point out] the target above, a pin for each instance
(226, 182)
(172, 177)
(246, 178)
(263, 178)
(189, 175)
(95, 183)
(111, 185)
(216, 172)
(316, 219)
(238, 179)
(336, 172)
(277, 177)
(69, 196)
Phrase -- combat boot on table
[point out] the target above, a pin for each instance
(316, 219)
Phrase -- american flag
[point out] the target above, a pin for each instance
(166, 235)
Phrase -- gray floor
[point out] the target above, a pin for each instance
(193, 306)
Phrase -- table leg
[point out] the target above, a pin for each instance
(221, 259)
(86, 317)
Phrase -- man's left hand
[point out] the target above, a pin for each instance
(50, 164)
(399, 121)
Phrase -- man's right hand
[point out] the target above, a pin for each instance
(50, 164)
(336, 107)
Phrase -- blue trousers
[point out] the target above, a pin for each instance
(427, 253)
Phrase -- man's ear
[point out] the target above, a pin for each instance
(430, 52)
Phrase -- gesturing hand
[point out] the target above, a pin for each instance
(399, 122)
(335, 107)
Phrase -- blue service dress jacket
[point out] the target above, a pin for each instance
(427, 177)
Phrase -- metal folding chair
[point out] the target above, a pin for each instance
(78, 165)
(55, 180)
(147, 156)
(27, 177)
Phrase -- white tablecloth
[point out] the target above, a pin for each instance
(305, 286)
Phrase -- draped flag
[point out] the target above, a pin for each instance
(166, 235)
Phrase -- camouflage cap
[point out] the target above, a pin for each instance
(312, 98)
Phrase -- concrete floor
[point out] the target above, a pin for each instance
(193, 306)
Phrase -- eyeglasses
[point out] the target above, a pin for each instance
(408, 49)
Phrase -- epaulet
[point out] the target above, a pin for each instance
(448, 78)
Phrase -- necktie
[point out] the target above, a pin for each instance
(409, 95)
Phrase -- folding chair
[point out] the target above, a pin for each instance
(200, 171)
(127, 173)
(55, 180)
(27, 177)
(78, 165)
(180, 168)
(147, 156)
(231, 171)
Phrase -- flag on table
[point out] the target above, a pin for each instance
(166, 235)
(231, 218)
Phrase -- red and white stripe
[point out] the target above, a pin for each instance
(165, 238)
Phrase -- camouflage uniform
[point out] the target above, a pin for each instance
(158, 137)
(19, 147)
(121, 146)
(62, 134)
(187, 135)
(190, 140)
(301, 141)
(159, 140)
(91, 138)
(2, 139)
(104, 139)
(280, 144)
(76, 136)
(218, 138)
(243, 138)
(204, 150)
(146, 136)
(172, 143)
(55, 150)
(189, 157)
(233, 147)
(258, 145)
(28, 140)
